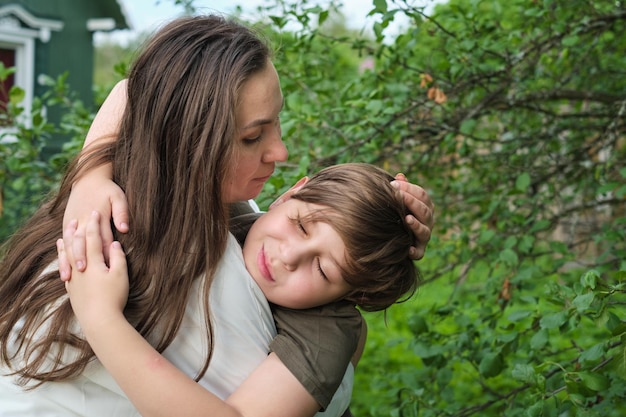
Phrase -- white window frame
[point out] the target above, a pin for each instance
(23, 43)
(22, 40)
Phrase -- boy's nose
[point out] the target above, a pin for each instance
(290, 267)
(292, 253)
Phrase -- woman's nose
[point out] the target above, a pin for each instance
(276, 150)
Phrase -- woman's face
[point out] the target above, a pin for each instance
(258, 141)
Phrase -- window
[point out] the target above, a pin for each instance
(18, 31)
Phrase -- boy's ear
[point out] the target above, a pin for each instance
(287, 194)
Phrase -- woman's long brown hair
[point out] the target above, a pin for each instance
(171, 158)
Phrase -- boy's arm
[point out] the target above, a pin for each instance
(317, 345)
(96, 190)
(152, 383)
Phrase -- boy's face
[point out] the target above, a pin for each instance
(296, 263)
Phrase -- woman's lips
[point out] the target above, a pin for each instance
(264, 179)
(263, 265)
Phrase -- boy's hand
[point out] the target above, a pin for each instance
(100, 292)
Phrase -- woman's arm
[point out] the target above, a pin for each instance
(96, 190)
(153, 384)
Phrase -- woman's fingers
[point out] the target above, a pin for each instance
(119, 211)
(421, 221)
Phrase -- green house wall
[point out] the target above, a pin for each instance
(70, 50)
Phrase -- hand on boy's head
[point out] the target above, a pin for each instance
(421, 206)
(287, 194)
(109, 199)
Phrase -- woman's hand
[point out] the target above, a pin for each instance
(93, 192)
(422, 220)
(99, 293)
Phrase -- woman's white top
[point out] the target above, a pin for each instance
(243, 329)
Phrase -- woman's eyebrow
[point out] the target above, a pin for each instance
(260, 122)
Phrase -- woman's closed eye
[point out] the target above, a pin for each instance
(252, 140)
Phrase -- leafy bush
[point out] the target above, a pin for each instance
(26, 175)
(511, 113)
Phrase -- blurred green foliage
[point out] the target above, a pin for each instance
(512, 114)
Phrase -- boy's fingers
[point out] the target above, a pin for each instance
(65, 270)
(117, 258)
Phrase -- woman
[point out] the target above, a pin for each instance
(199, 129)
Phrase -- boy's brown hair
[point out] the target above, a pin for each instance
(369, 215)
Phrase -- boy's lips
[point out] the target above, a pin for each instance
(263, 266)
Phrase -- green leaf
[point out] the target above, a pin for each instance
(539, 339)
(615, 325)
(374, 106)
(486, 236)
(418, 325)
(522, 182)
(467, 127)
(583, 301)
(539, 226)
(619, 362)
(380, 6)
(322, 17)
(279, 21)
(553, 321)
(16, 94)
(594, 353)
(509, 257)
(518, 315)
(524, 373)
(535, 410)
(491, 365)
(427, 351)
(594, 381)
(570, 41)
(589, 279)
